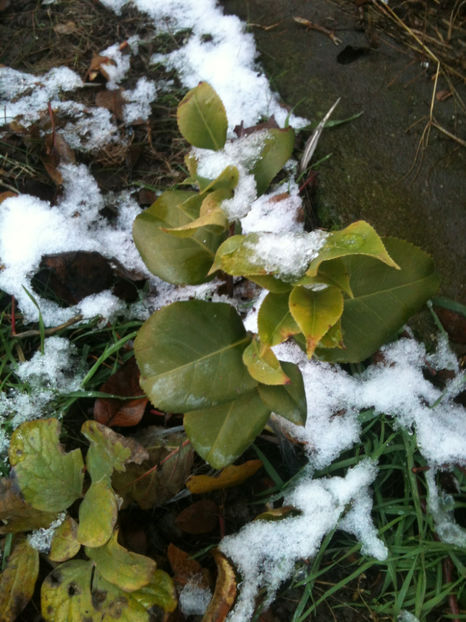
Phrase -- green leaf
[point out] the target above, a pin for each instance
(221, 434)
(49, 478)
(107, 450)
(289, 400)
(263, 365)
(333, 272)
(202, 119)
(383, 300)
(125, 569)
(98, 514)
(275, 322)
(173, 259)
(315, 312)
(18, 580)
(276, 152)
(190, 356)
(66, 594)
(116, 605)
(15, 514)
(333, 338)
(359, 238)
(65, 542)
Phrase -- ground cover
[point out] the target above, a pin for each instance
(361, 508)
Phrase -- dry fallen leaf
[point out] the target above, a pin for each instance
(111, 100)
(199, 517)
(232, 475)
(57, 151)
(68, 28)
(185, 569)
(6, 195)
(116, 412)
(98, 66)
(225, 591)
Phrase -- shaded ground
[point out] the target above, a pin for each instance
(374, 172)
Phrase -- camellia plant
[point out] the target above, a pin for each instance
(342, 296)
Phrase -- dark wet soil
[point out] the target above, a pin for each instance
(376, 171)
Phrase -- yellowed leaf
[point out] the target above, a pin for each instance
(232, 475)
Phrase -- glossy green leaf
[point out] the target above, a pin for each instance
(275, 322)
(98, 514)
(18, 579)
(333, 272)
(222, 433)
(383, 300)
(202, 119)
(125, 569)
(315, 312)
(65, 543)
(176, 260)
(49, 478)
(288, 400)
(108, 450)
(263, 365)
(276, 152)
(66, 594)
(190, 356)
(359, 238)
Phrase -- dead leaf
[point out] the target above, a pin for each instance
(15, 514)
(57, 151)
(68, 28)
(270, 124)
(185, 568)
(4, 4)
(441, 96)
(97, 67)
(453, 323)
(277, 513)
(70, 277)
(160, 477)
(111, 100)
(225, 590)
(232, 475)
(199, 517)
(115, 412)
(6, 195)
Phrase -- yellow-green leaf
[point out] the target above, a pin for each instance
(315, 312)
(18, 580)
(160, 591)
(98, 514)
(332, 272)
(263, 365)
(275, 322)
(211, 215)
(125, 569)
(359, 238)
(66, 594)
(277, 151)
(202, 119)
(17, 515)
(50, 479)
(65, 542)
(108, 450)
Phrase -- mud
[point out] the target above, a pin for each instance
(373, 172)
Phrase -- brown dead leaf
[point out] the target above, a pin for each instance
(6, 195)
(225, 590)
(160, 477)
(68, 28)
(18, 580)
(453, 323)
(97, 67)
(185, 568)
(57, 151)
(241, 131)
(232, 475)
(4, 4)
(111, 100)
(116, 412)
(15, 514)
(72, 276)
(442, 95)
(199, 517)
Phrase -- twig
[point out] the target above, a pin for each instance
(312, 26)
(47, 331)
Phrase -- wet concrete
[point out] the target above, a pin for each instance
(373, 172)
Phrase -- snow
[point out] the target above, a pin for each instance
(41, 539)
(265, 553)
(194, 599)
